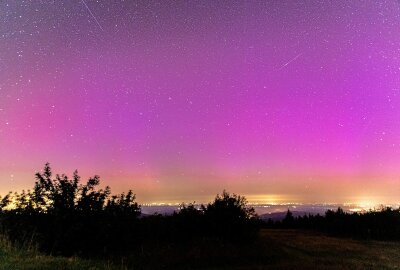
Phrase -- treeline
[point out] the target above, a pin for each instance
(62, 216)
(382, 224)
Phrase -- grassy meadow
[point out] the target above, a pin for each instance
(276, 249)
(27, 258)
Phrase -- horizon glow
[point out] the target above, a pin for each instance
(275, 100)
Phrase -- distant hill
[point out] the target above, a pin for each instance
(278, 216)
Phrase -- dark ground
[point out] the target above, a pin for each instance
(276, 249)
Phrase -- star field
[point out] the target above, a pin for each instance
(178, 100)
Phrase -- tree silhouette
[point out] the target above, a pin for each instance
(123, 204)
(68, 217)
(229, 216)
(229, 207)
(5, 201)
(63, 216)
(288, 220)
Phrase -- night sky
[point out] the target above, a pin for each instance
(177, 100)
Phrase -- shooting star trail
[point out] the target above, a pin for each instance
(290, 61)
(83, 1)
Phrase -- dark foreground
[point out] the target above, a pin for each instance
(276, 249)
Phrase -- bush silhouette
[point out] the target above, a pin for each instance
(229, 216)
(63, 216)
(67, 217)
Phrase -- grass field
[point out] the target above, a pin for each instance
(309, 250)
(12, 258)
(277, 249)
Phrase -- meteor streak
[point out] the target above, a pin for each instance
(290, 61)
(83, 1)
